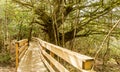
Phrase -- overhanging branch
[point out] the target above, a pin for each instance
(23, 3)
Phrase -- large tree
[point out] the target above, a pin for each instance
(54, 15)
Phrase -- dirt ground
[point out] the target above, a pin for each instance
(7, 69)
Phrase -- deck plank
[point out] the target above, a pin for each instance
(31, 61)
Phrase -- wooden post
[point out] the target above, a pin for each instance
(17, 55)
(87, 65)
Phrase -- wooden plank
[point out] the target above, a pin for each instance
(52, 54)
(47, 64)
(88, 71)
(76, 59)
(23, 52)
(17, 52)
(70, 57)
(60, 67)
(22, 42)
(22, 48)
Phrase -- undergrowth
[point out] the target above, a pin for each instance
(4, 59)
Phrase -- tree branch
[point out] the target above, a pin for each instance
(106, 37)
(23, 3)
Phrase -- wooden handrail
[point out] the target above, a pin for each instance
(81, 62)
(21, 47)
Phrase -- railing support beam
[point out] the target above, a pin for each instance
(17, 56)
(52, 54)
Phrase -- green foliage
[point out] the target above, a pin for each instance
(5, 58)
(115, 48)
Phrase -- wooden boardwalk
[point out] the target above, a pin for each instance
(35, 58)
(31, 61)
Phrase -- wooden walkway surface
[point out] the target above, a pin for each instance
(31, 61)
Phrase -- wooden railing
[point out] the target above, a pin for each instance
(21, 47)
(81, 62)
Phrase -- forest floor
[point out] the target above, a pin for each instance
(7, 69)
(110, 66)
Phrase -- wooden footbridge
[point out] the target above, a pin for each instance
(41, 56)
